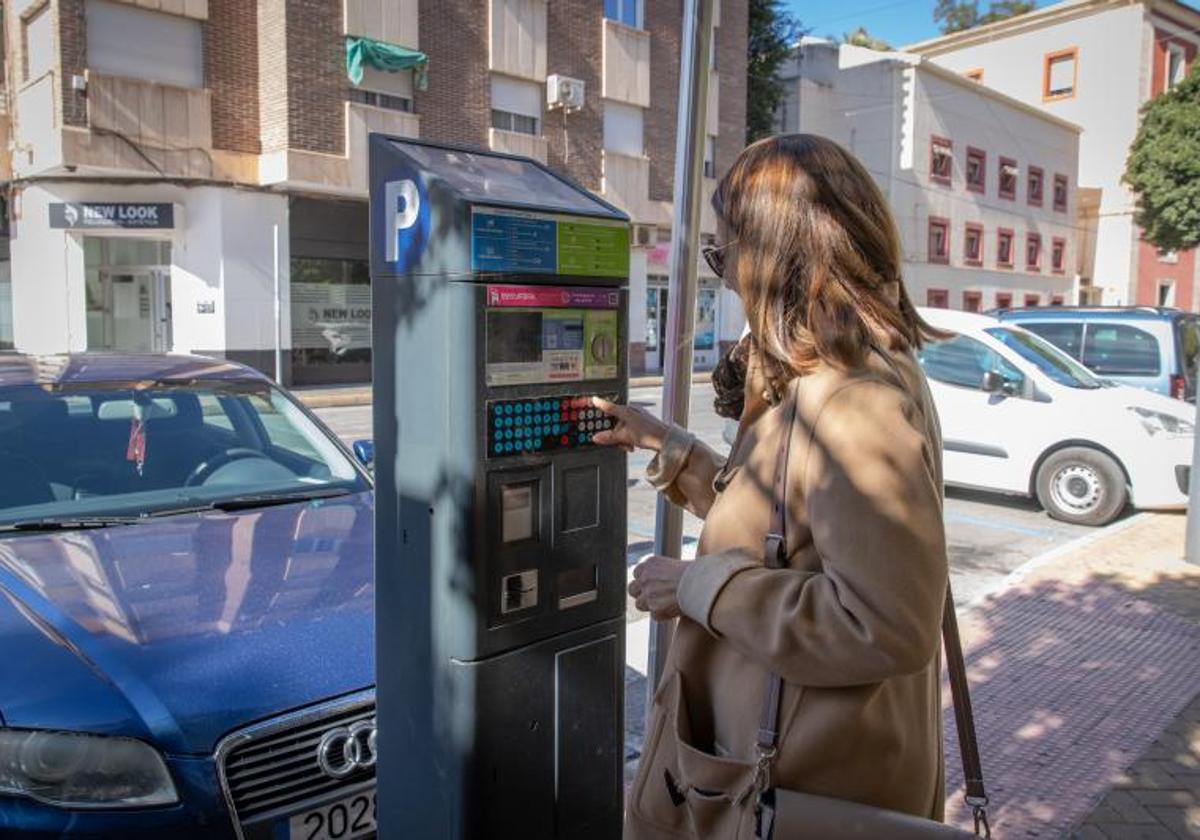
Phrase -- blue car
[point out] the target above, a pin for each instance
(186, 606)
(1142, 346)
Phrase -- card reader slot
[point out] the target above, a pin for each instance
(577, 587)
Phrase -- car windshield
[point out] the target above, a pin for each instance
(82, 451)
(1051, 361)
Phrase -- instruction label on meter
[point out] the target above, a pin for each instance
(539, 334)
(514, 242)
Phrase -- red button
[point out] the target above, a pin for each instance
(563, 440)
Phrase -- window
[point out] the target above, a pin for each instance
(941, 160)
(963, 361)
(710, 157)
(1058, 255)
(1004, 248)
(1121, 350)
(1169, 257)
(973, 244)
(628, 12)
(1035, 186)
(972, 301)
(622, 128)
(1166, 292)
(1033, 300)
(39, 44)
(381, 89)
(975, 75)
(1060, 193)
(1067, 337)
(1033, 251)
(939, 240)
(1003, 300)
(937, 298)
(123, 40)
(1060, 74)
(331, 311)
(1057, 300)
(1176, 64)
(516, 105)
(1008, 178)
(976, 170)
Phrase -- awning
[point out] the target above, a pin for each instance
(384, 56)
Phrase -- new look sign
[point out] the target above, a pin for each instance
(93, 215)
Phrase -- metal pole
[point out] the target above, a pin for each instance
(278, 307)
(1191, 551)
(681, 316)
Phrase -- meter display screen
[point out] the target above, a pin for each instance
(574, 339)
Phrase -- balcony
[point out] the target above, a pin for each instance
(626, 64)
(516, 143)
(392, 21)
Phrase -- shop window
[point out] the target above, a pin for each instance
(973, 244)
(516, 105)
(1060, 73)
(1035, 185)
(1003, 300)
(623, 128)
(972, 301)
(976, 170)
(939, 240)
(937, 298)
(1033, 300)
(123, 40)
(941, 160)
(1008, 178)
(628, 12)
(1033, 252)
(1058, 255)
(331, 319)
(1060, 193)
(38, 43)
(1004, 248)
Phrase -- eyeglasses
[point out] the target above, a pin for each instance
(715, 257)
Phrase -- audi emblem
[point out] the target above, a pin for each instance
(347, 748)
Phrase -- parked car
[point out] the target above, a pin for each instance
(1020, 416)
(186, 606)
(1142, 346)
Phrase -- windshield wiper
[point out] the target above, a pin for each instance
(77, 523)
(257, 500)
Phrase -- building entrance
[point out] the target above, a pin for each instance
(128, 295)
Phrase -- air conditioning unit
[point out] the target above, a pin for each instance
(645, 236)
(564, 92)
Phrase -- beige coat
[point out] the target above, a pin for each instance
(852, 624)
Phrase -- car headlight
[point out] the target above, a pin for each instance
(1155, 422)
(83, 771)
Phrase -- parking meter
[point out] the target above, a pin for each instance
(500, 307)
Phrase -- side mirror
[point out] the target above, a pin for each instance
(364, 451)
(993, 382)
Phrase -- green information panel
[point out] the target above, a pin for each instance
(593, 250)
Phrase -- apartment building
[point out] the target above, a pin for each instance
(981, 184)
(173, 162)
(1095, 63)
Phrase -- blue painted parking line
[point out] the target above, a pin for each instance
(967, 519)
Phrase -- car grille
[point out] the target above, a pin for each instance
(272, 767)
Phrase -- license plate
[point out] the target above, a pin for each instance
(353, 816)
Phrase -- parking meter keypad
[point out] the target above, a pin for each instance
(541, 424)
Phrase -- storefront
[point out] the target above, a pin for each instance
(705, 344)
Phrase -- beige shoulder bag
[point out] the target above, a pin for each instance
(792, 815)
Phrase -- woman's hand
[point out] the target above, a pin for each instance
(655, 586)
(636, 428)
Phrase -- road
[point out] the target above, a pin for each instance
(988, 537)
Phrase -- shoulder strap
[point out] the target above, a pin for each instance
(775, 557)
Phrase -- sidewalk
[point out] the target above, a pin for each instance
(339, 396)
(1085, 677)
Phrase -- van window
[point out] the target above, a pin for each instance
(1120, 350)
(1065, 336)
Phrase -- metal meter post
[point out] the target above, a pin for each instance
(500, 309)
(681, 317)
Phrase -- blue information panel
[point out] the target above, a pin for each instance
(514, 243)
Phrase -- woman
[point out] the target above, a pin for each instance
(851, 622)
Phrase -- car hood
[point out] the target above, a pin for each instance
(181, 629)
(1125, 396)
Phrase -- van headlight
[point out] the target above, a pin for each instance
(83, 771)
(1155, 422)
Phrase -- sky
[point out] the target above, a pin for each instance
(898, 22)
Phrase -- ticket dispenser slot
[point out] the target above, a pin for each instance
(500, 310)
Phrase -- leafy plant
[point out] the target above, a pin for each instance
(773, 33)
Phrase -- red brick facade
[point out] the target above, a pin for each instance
(664, 20)
(72, 36)
(575, 40)
(231, 73)
(456, 107)
(316, 76)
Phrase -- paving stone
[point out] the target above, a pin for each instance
(1181, 798)
(1183, 822)
(1139, 832)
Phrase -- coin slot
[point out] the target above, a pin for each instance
(518, 591)
(518, 511)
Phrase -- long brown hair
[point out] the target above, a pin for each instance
(816, 255)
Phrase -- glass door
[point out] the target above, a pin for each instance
(130, 311)
(656, 327)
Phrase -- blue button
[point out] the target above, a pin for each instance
(537, 444)
(508, 447)
(508, 409)
(527, 407)
(583, 438)
(498, 448)
(539, 406)
(499, 422)
(555, 405)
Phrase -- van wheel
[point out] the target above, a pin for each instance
(1081, 485)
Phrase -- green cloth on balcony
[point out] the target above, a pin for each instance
(384, 56)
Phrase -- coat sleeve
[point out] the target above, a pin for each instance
(691, 488)
(874, 503)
